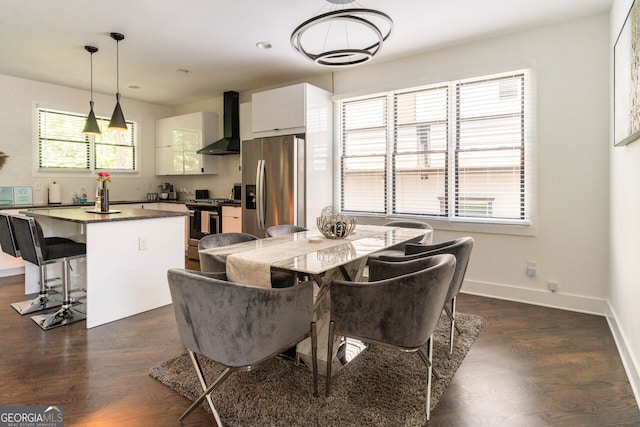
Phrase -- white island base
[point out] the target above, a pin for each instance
(128, 255)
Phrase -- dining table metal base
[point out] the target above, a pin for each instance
(343, 350)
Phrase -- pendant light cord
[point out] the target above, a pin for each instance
(118, 65)
(92, 78)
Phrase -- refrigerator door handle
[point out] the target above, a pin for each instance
(260, 194)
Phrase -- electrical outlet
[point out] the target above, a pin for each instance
(38, 186)
(143, 245)
(552, 285)
(532, 268)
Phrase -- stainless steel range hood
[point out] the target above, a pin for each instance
(230, 143)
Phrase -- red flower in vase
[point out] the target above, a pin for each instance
(104, 177)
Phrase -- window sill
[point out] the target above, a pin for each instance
(469, 226)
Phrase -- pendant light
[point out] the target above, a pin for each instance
(117, 118)
(91, 126)
(342, 36)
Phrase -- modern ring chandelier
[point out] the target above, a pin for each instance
(342, 37)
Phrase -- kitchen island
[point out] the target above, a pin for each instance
(128, 254)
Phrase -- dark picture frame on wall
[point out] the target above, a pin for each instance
(626, 79)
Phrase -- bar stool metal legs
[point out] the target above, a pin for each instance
(67, 312)
(43, 301)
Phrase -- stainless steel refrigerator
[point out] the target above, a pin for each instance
(273, 180)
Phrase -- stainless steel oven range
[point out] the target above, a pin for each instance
(205, 217)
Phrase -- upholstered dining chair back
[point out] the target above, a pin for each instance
(7, 238)
(283, 279)
(414, 224)
(282, 230)
(238, 325)
(398, 250)
(215, 263)
(400, 311)
(461, 249)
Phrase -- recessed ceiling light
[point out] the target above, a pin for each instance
(263, 45)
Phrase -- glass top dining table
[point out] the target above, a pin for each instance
(308, 254)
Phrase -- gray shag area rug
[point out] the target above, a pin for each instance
(381, 386)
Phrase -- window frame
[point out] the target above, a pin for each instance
(89, 141)
(526, 226)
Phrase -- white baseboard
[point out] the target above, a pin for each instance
(12, 272)
(571, 303)
(544, 298)
(629, 360)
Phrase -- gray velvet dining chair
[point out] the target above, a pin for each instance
(216, 263)
(279, 278)
(282, 230)
(460, 248)
(238, 325)
(398, 250)
(400, 310)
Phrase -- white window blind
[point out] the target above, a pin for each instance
(115, 150)
(453, 150)
(364, 155)
(61, 141)
(489, 148)
(63, 146)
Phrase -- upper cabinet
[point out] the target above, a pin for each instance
(289, 110)
(179, 138)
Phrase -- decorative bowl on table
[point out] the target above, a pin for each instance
(333, 225)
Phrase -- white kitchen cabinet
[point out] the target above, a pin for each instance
(231, 219)
(179, 138)
(289, 110)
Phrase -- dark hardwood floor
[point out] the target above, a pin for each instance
(531, 366)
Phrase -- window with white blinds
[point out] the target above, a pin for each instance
(63, 146)
(457, 150)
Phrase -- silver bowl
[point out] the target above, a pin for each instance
(333, 225)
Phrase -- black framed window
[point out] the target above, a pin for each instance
(457, 150)
(63, 146)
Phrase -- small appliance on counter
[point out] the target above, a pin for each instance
(167, 192)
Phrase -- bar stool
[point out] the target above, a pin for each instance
(10, 247)
(34, 249)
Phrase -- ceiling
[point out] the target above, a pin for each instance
(216, 39)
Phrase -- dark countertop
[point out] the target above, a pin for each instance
(84, 216)
(88, 205)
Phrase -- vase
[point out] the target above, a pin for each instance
(104, 200)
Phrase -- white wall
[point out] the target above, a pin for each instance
(17, 136)
(625, 231)
(570, 236)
